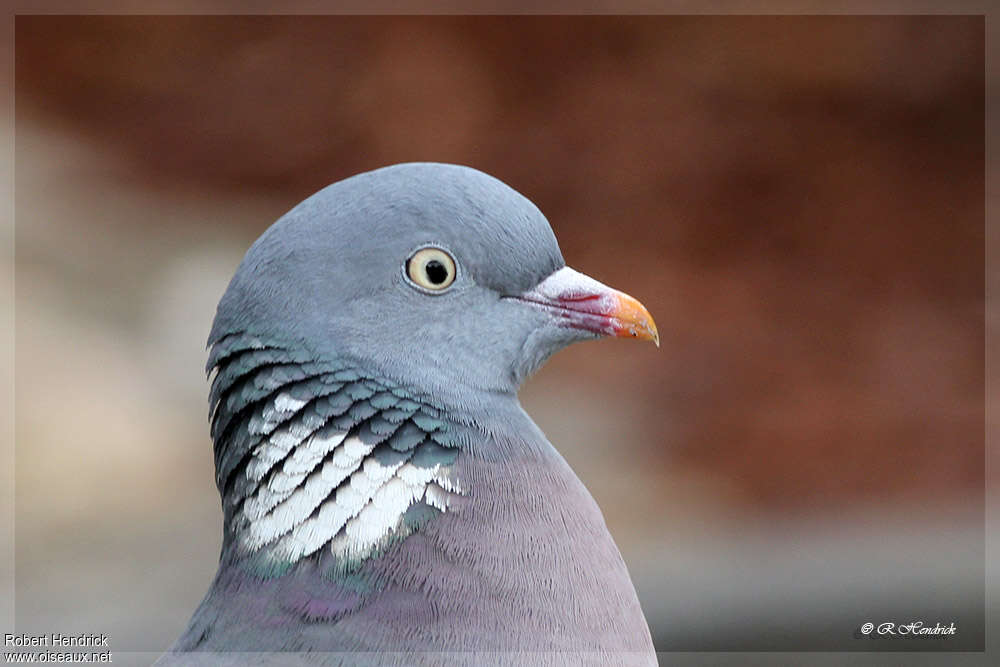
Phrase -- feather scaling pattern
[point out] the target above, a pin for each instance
(312, 454)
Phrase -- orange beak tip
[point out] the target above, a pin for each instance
(634, 320)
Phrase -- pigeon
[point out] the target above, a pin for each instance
(386, 499)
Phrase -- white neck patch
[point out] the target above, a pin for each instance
(317, 488)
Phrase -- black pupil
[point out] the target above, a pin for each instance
(436, 272)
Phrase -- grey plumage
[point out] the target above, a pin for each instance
(386, 499)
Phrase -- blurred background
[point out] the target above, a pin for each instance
(799, 201)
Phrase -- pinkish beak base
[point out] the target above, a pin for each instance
(584, 303)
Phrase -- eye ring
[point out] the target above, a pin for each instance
(431, 269)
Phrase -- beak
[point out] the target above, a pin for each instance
(583, 303)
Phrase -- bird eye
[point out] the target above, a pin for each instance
(431, 268)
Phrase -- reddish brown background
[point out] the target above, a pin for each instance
(798, 200)
(801, 198)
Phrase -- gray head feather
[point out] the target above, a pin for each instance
(330, 275)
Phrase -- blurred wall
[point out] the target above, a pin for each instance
(799, 201)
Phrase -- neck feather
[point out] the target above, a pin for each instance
(316, 455)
